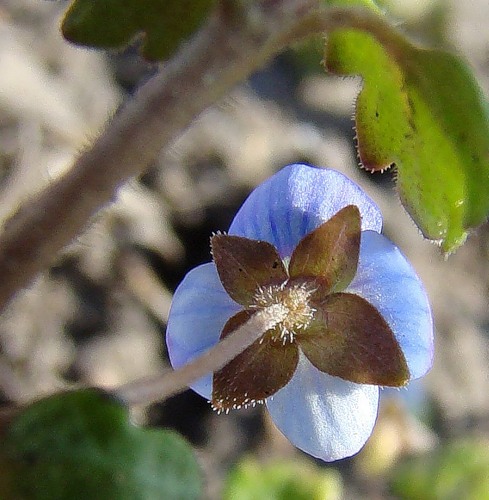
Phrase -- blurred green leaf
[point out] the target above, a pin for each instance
(81, 445)
(105, 24)
(299, 480)
(307, 53)
(422, 111)
(371, 4)
(457, 471)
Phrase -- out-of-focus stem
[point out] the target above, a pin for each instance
(236, 40)
(233, 43)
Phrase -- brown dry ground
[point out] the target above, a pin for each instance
(98, 316)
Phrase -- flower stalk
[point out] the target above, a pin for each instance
(159, 388)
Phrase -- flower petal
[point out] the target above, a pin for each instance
(199, 311)
(330, 252)
(386, 280)
(351, 340)
(297, 200)
(245, 265)
(325, 416)
(255, 374)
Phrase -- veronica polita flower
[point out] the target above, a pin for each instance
(356, 315)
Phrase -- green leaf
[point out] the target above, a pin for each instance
(306, 53)
(297, 480)
(422, 111)
(371, 4)
(81, 445)
(458, 470)
(105, 24)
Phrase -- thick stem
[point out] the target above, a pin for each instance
(148, 391)
(224, 52)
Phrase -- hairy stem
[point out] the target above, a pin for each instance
(148, 391)
(236, 40)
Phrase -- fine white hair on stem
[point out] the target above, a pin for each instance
(158, 388)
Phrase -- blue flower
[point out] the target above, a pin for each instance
(325, 399)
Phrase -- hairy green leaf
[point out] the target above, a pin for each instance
(422, 111)
(163, 24)
(81, 445)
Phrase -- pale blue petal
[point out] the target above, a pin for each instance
(296, 201)
(198, 313)
(386, 280)
(327, 417)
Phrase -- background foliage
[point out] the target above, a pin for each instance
(98, 317)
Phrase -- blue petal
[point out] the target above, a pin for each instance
(327, 417)
(199, 311)
(295, 201)
(386, 280)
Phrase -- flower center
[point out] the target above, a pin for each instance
(294, 298)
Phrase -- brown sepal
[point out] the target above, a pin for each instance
(330, 252)
(350, 339)
(255, 374)
(244, 265)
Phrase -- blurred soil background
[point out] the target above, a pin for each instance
(98, 315)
